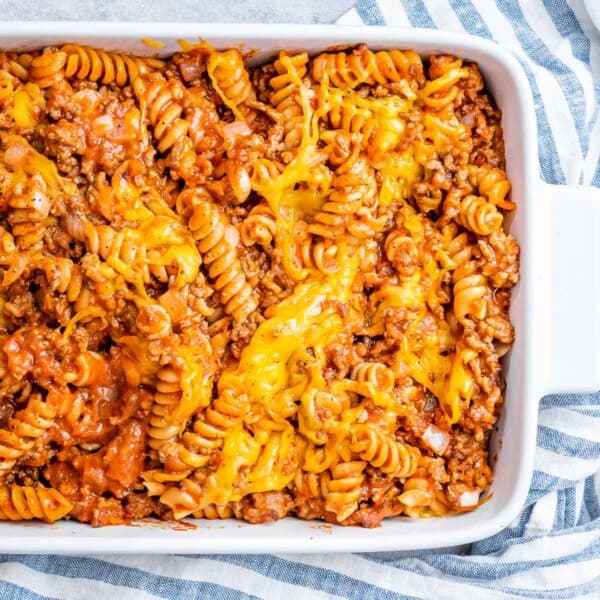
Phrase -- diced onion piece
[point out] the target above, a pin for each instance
(232, 130)
(103, 124)
(14, 154)
(232, 235)
(90, 446)
(190, 70)
(468, 119)
(414, 498)
(436, 439)
(87, 98)
(469, 499)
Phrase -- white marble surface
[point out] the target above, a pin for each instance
(239, 11)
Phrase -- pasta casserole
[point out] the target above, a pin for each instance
(249, 292)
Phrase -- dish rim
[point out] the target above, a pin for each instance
(102, 33)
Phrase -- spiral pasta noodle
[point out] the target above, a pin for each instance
(421, 497)
(27, 426)
(469, 297)
(163, 104)
(343, 490)
(86, 369)
(216, 512)
(83, 62)
(285, 96)
(167, 397)
(376, 373)
(383, 452)
(206, 436)
(494, 186)
(230, 78)
(319, 255)
(353, 188)
(64, 276)
(479, 216)
(120, 249)
(312, 485)
(211, 426)
(18, 503)
(16, 64)
(184, 499)
(31, 207)
(259, 227)
(353, 119)
(48, 69)
(217, 244)
(365, 66)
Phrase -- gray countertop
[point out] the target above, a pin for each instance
(238, 11)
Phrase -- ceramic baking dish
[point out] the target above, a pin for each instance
(555, 307)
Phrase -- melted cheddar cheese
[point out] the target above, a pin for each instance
(298, 321)
(263, 375)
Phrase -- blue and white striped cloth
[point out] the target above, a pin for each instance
(553, 549)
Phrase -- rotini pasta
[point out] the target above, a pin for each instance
(163, 102)
(217, 241)
(18, 503)
(259, 227)
(383, 452)
(16, 64)
(162, 428)
(47, 69)
(230, 78)
(249, 292)
(83, 62)
(344, 488)
(27, 426)
(365, 66)
(479, 216)
(285, 97)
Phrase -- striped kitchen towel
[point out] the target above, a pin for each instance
(553, 549)
(559, 48)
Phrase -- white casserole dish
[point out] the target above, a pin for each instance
(555, 307)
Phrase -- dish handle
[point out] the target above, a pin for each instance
(574, 333)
